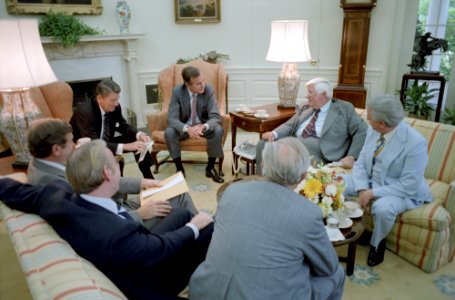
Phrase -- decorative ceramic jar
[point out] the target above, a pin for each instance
(123, 16)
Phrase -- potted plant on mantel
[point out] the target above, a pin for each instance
(416, 100)
(66, 29)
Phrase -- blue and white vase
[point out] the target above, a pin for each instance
(123, 16)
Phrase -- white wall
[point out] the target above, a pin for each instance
(244, 33)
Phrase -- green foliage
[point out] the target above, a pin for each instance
(449, 116)
(64, 28)
(416, 99)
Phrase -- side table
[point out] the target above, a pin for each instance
(277, 116)
(6, 166)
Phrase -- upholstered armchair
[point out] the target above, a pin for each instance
(170, 77)
(55, 100)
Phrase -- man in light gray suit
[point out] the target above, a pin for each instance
(329, 128)
(388, 177)
(269, 242)
(193, 112)
(50, 142)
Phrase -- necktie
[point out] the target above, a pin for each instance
(123, 213)
(193, 109)
(379, 147)
(310, 129)
(106, 129)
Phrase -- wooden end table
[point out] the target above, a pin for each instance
(277, 116)
(6, 166)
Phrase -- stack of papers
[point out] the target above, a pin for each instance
(334, 234)
(172, 186)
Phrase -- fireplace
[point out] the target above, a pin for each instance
(83, 90)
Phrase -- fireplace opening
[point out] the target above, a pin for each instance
(83, 90)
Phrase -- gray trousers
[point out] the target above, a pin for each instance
(214, 141)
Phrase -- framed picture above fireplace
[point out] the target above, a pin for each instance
(197, 11)
(27, 7)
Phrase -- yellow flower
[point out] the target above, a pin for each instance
(312, 188)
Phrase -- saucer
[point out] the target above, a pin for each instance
(345, 224)
(356, 214)
(261, 116)
(238, 109)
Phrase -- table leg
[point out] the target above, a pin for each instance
(233, 139)
(350, 261)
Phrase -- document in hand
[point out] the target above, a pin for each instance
(172, 186)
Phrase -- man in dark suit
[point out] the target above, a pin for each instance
(143, 265)
(50, 142)
(329, 128)
(193, 112)
(101, 117)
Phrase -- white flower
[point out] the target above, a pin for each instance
(330, 190)
(315, 200)
(326, 169)
(312, 170)
(327, 201)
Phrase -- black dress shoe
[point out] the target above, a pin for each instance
(376, 256)
(364, 239)
(214, 174)
(221, 173)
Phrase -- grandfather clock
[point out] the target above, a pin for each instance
(354, 46)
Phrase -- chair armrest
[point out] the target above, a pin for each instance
(157, 121)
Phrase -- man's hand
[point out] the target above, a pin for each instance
(142, 137)
(196, 131)
(365, 200)
(134, 146)
(268, 136)
(154, 208)
(149, 183)
(201, 220)
(347, 162)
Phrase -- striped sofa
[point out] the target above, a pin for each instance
(52, 269)
(425, 236)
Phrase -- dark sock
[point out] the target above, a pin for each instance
(178, 164)
(211, 163)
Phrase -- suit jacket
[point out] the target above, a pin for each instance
(404, 159)
(180, 108)
(87, 122)
(343, 132)
(123, 250)
(268, 243)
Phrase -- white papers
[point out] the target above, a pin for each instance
(334, 234)
(335, 164)
(148, 147)
(178, 179)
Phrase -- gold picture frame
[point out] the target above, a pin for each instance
(81, 7)
(197, 11)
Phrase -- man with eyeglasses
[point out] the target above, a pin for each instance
(193, 112)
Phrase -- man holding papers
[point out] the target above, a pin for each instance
(50, 142)
(143, 265)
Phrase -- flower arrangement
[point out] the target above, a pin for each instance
(323, 187)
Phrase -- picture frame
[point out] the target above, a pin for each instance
(27, 7)
(197, 11)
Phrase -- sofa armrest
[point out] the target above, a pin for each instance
(449, 205)
(157, 121)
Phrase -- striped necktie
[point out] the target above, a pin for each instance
(193, 109)
(379, 147)
(106, 129)
(310, 129)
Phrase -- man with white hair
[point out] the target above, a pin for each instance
(269, 242)
(388, 177)
(329, 128)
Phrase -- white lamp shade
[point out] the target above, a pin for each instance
(22, 59)
(289, 41)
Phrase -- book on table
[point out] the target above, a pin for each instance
(172, 186)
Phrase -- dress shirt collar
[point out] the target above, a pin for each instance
(191, 94)
(325, 107)
(52, 164)
(388, 136)
(106, 203)
(102, 111)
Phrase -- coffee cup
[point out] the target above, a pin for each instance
(261, 112)
(350, 207)
(82, 141)
(332, 222)
(242, 107)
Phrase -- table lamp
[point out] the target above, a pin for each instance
(289, 45)
(23, 65)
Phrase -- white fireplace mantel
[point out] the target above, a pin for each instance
(96, 57)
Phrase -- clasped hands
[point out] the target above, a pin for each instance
(365, 199)
(196, 131)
